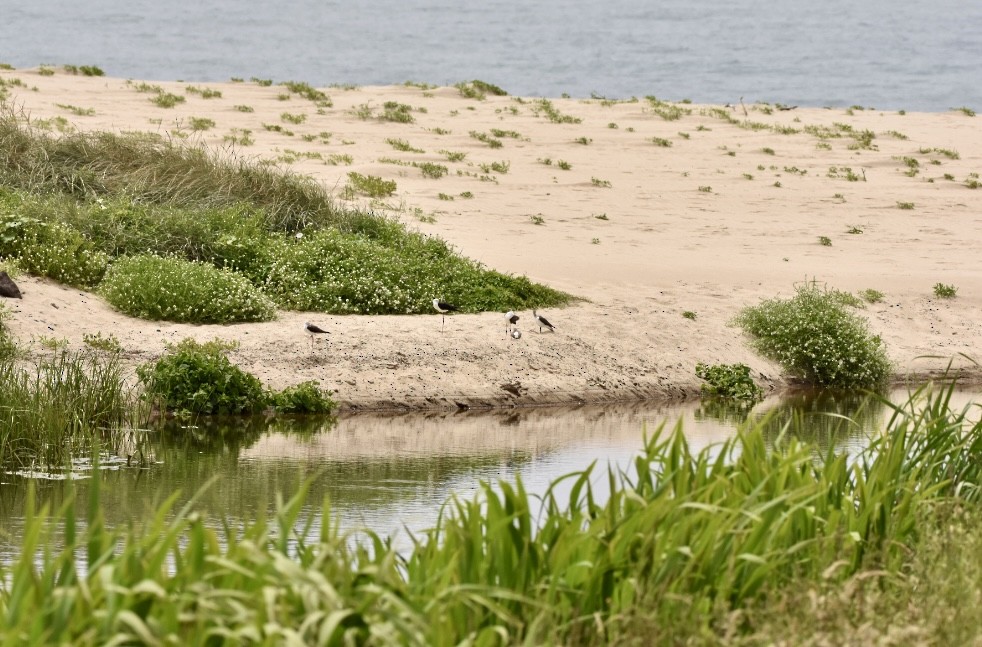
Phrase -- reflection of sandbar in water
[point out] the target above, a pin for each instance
(533, 431)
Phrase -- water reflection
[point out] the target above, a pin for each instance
(386, 472)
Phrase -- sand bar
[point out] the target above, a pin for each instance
(651, 219)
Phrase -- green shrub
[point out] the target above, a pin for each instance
(728, 381)
(49, 249)
(306, 397)
(945, 291)
(345, 274)
(813, 336)
(172, 289)
(199, 378)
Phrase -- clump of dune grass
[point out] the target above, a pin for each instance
(150, 169)
(85, 201)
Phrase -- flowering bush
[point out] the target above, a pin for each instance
(50, 249)
(172, 289)
(813, 336)
(390, 273)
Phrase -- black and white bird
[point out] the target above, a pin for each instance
(511, 319)
(443, 308)
(313, 331)
(543, 322)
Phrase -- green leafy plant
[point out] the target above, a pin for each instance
(945, 291)
(825, 241)
(689, 314)
(813, 336)
(306, 397)
(728, 381)
(905, 205)
(200, 378)
(173, 289)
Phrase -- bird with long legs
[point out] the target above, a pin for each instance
(510, 320)
(443, 308)
(313, 330)
(543, 322)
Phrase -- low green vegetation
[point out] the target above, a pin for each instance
(728, 381)
(174, 289)
(746, 542)
(814, 337)
(871, 296)
(945, 291)
(199, 378)
(479, 90)
(81, 208)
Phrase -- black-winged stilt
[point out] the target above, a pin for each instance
(543, 322)
(511, 319)
(313, 331)
(443, 308)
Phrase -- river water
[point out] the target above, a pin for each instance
(876, 53)
(392, 473)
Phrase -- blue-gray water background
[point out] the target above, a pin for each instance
(899, 54)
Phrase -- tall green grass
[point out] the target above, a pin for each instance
(51, 413)
(689, 546)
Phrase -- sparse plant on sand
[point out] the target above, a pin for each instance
(201, 123)
(905, 205)
(871, 295)
(371, 185)
(402, 145)
(945, 291)
(825, 241)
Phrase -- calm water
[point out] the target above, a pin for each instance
(891, 55)
(393, 472)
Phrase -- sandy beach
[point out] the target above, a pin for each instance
(642, 217)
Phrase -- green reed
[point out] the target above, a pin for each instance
(683, 540)
(50, 412)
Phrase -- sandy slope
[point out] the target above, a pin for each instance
(709, 224)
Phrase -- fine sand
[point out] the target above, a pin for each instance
(725, 216)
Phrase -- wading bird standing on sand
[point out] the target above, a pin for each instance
(313, 331)
(443, 308)
(543, 322)
(511, 319)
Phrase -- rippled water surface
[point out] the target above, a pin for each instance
(388, 473)
(891, 55)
